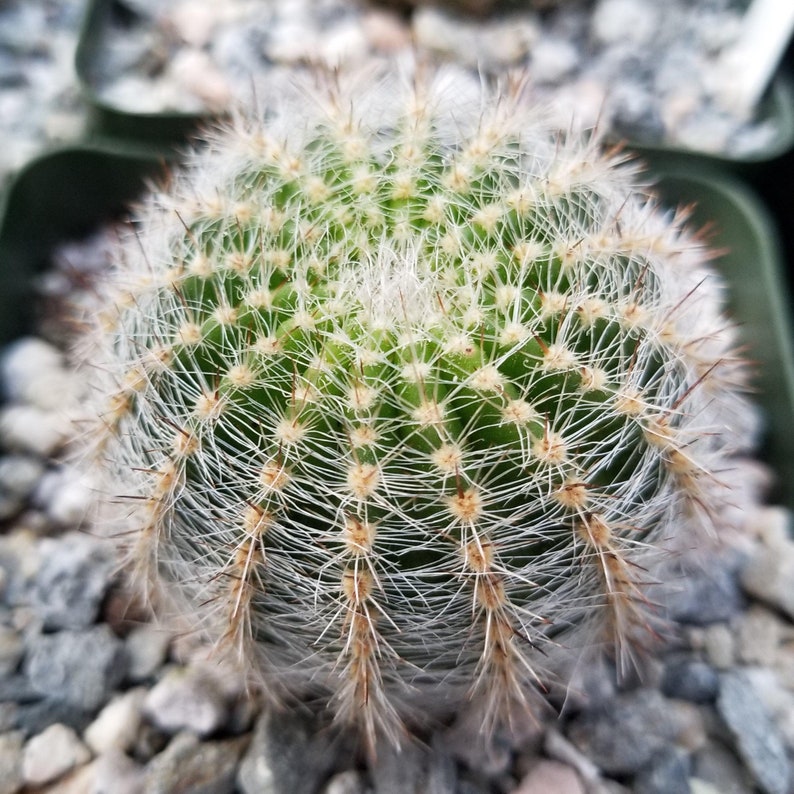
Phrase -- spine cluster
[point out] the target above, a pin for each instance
(398, 400)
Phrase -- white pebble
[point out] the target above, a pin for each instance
(33, 373)
(24, 428)
(186, 700)
(507, 42)
(194, 22)
(547, 776)
(620, 21)
(385, 30)
(147, 648)
(116, 726)
(552, 60)
(51, 754)
(66, 496)
(291, 43)
(19, 474)
(436, 31)
(194, 71)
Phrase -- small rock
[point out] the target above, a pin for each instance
(343, 44)
(50, 754)
(690, 679)
(33, 373)
(400, 772)
(65, 496)
(349, 782)
(558, 748)
(666, 773)
(81, 668)
(758, 636)
(34, 717)
(12, 647)
(548, 776)
(619, 21)
(73, 577)
(287, 754)
(438, 31)
(147, 649)
(626, 734)
(718, 642)
(117, 773)
(109, 774)
(706, 595)
(116, 726)
(186, 699)
(191, 766)
(463, 741)
(768, 575)
(385, 30)
(19, 561)
(698, 786)
(11, 754)
(414, 768)
(552, 60)
(757, 738)
(19, 475)
(27, 429)
(719, 767)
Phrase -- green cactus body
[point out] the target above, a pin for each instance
(400, 403)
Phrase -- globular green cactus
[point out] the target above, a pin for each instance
(399, 389)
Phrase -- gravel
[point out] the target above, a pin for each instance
(647, 75)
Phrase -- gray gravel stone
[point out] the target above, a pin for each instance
(399, 772)
(190, 766)
(628, 732)
(34, 717)
(18, 689)
(287, 755)
(705, 596)
(690, 679)
(717, 765)
(666, 773)
(79, 667)
(758, 740)
(413, 769)
(11, 744)
(74, 575)
(12, 647)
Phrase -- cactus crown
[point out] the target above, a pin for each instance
(404, 397)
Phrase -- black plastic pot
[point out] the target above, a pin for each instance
(62, 195)
(106, 120)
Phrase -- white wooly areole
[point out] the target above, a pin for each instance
(399, 391)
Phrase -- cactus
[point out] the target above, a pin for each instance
(399, 390)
